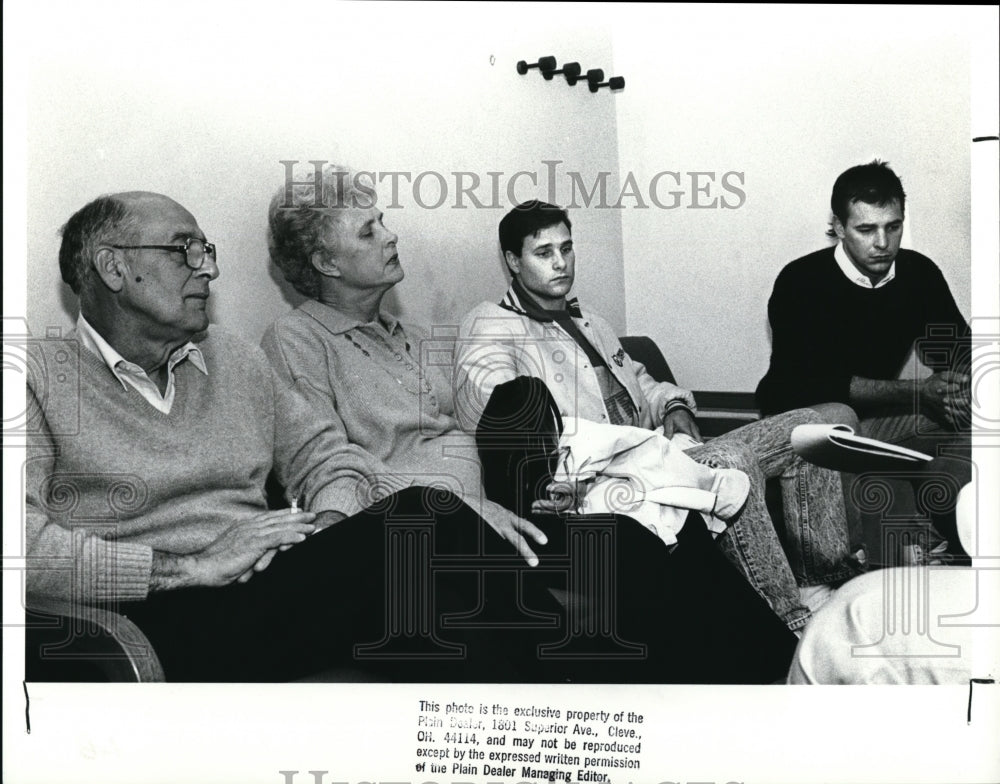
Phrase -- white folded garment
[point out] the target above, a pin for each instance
(641, 474)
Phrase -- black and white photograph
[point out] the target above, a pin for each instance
(501, 392)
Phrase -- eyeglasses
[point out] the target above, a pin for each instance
(195, 251)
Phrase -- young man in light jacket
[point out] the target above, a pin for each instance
(536, 330)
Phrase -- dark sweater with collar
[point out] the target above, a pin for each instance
(826, 329)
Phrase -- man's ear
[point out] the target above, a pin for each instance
(838, 228)
(110, 269)
(513, 261)
(324, 265)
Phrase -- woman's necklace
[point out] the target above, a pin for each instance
(411, 365)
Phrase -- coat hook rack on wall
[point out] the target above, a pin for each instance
(573, 73)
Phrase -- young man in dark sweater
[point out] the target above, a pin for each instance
(844, 320)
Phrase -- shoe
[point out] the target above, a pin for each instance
(917, 555)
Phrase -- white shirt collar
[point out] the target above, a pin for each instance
(854, 275)
(92, 340)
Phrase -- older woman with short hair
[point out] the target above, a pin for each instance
(360, 368)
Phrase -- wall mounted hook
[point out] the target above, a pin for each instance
(615, 83)
(544, 63)
(593, 76)
(571, 70)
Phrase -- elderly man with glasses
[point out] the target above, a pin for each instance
(152, 439)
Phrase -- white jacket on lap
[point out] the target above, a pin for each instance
(640, 473)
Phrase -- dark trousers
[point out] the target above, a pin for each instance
(696, 617)
(357, 583)
(418, 588)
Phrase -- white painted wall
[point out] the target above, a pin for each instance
(202, 101)
(791, 96)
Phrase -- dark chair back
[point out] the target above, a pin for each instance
(642, 348)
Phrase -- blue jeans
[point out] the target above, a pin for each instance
(817, 548)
